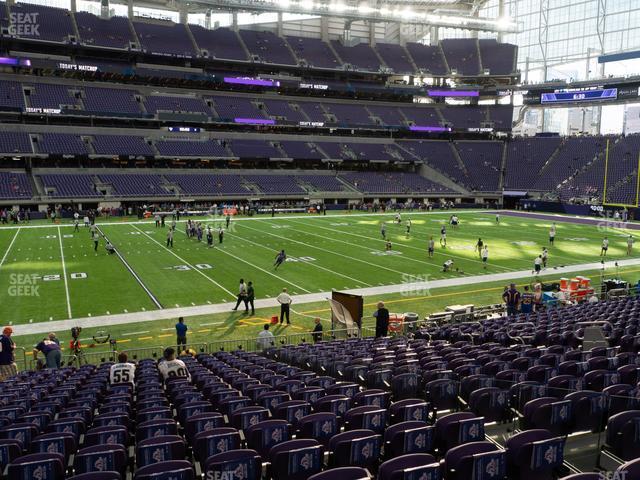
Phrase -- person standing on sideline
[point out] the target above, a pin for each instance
(511, 298)
(317, 330)
(284, 299)
(181, 333)
(265, 338)
(497, 218)
(251, 295)
(157, 220)
(629, 244)
(228, 220)
(220, 235)
(170, 238)
(431, 246)
(50, 348)
(537, 265)
(382, 320)
(96, 240)
(552, 234)
(605, 247)
(8, 367)
(242, 294)
(485, 256)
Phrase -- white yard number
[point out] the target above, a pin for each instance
(301, 259)
(387, 252)
(279, 226)
(56, 277)
(184, 268)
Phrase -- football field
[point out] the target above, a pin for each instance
(51, 272)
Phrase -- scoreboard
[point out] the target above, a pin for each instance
(576, 96)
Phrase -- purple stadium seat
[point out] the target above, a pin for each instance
(410, 409)
(408, 437)
(359, 448)
(108, 435)
(37, 465)
(342, 473)
(321, 426)
(622, 430)
(264, 435)
(534, 455)
(484, 457)
(96, 476)
(416, 465)
(160, 449)
(174, 470)
(62, 443)
(295, 459)
(101, 458)
(214, 441)
(248, 461)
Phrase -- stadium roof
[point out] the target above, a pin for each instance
(438, 13)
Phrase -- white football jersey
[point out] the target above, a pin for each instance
(173, 368)
(122, 373)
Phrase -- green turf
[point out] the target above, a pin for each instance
(336, 251)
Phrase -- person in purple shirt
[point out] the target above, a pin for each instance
(50, 348)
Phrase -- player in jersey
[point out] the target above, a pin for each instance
(280, 258)
(629, 244)
(76, 224)
(479, 246)
(408, 227)
(497, 218)
(552, 233)
(398, 218)
(485, 256)
(383, 231)
(123, 371)
(605, 247)
(431, 246)
(454, 221)
(93, 229)
(526, 301)
(388, 246)
(443, 237)
(209, 237)
(447, 265)
(171, 367)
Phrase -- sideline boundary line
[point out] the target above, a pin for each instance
(64, 274)
(153, 298)
(165, 314)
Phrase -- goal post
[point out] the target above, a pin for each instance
(632, 194)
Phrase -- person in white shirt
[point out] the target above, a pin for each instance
(629, 244)
(284, 299)
(552, 233)
(447, 265)
(242, 293)
(171, 367)
(537, 265)
(485, 256)
(605, 247)
(265, 338)
(123, 371)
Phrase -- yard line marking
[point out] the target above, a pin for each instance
(64, 274)
(135, 333)
(155, 301)
(9, 247)
(185, 262)
(260, 268)
(165, 335)
(211, 323)
(145, 338)
(306, 263)
(329, 251)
